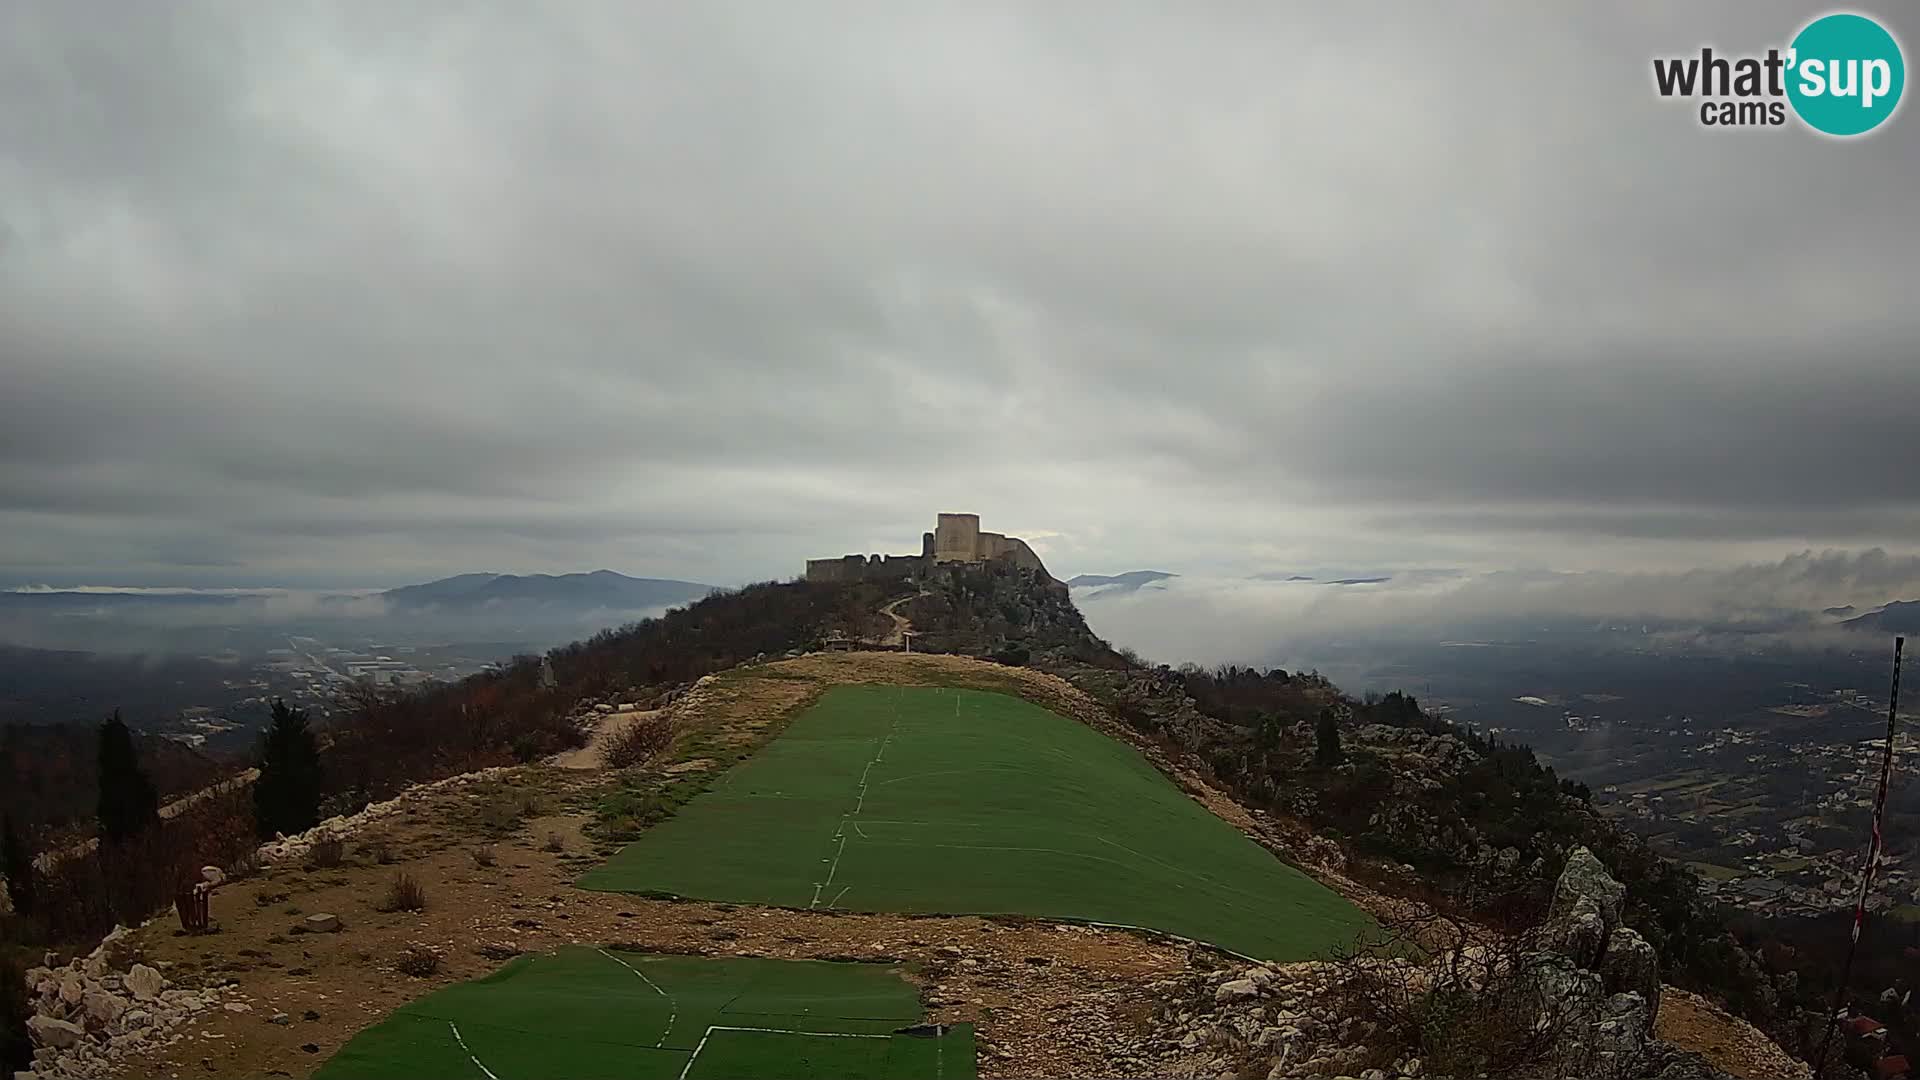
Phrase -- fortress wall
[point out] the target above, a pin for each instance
(865, 568)
(1017, 551)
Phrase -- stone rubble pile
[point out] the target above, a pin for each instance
(91, 1013)
(293, 847)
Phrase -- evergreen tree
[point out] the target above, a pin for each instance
(128, 801)
(18, 864)
(286, 798)
(1326, 739)
(16, 1040)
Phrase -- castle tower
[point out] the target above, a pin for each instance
(956, 538)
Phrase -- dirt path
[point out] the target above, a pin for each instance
(901, 625)
(611, 725)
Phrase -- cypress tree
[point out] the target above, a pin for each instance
(286, 798)
(1326, 737)
(128, 801)
(18, 862)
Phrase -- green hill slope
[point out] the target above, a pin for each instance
(923, 800)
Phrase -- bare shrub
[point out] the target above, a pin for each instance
(380, 851)
(327, 853)
(404, 893)
(482, 856)
(1464, 999)
(554, 843)
(501, 809)
(244, 865)
(637, 743)
(418, 961)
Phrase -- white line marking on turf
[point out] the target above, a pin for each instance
(702, 1045)
(837, 896)
(470, 1057)
(673, 1007)
(859, 803)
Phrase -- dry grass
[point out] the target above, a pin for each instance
(327, 853)
(404, 893)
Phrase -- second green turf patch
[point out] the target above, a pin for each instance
(926, 800)
(593, 1014)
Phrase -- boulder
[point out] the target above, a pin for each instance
(321, 924)
(1585, 909)
(71, 988)
(102, 1006)
(1236, 990)
(144, 983)
(118, 949)
(57, 1034)
(1631, 966)
(1586, 879)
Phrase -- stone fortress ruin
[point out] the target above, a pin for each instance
(955, 539)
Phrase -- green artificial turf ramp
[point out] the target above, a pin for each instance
(933, 800)
(592, 1014)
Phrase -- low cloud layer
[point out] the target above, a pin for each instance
(1233, 620)
(351, 295)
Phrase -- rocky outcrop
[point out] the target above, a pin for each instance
(1601, 980)
(1584, 989)
(93, 1012)
(1585, 925)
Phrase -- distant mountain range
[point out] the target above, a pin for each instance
(1131, 581)
(1284, 576)
(474, 593)
(1899, 617)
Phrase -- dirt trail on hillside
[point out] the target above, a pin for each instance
(902, 626)
(611, 725)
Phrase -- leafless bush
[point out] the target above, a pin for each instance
(1465, 999)
(554, 843)
(380, 851)
(327, 853)
(482, 856)
(637, 743)
(418, 961)
(404, 893)
(244, 865)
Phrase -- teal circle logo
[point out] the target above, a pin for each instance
(1845, 74)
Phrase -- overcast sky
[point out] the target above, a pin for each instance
(361, 294)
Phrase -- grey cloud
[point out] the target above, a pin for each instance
(345, 294)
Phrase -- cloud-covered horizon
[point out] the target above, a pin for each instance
(337, 295)
(1238, 620)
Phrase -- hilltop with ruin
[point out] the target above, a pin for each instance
(956, 539)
